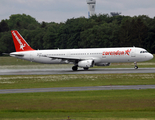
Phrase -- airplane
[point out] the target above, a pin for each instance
(83, 58)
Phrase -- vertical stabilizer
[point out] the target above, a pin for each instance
(19, 42)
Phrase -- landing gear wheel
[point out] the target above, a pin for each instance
(86, 68)
(75, 68)
(136, 67)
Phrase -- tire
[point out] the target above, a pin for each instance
(136, 67)
(86, 68)
(74, 68)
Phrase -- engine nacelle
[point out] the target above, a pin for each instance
(102, 64)
(86, 63)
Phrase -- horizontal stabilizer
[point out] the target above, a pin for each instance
(6, 54)
(17, 55)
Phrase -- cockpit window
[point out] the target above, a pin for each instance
(143, 52)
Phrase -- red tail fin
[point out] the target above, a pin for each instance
(19, 42)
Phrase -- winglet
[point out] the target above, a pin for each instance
(19, 42)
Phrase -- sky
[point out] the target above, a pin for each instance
(61, 10)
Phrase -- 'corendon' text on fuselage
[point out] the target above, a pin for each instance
(126, 52)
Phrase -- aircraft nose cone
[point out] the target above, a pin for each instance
(150, 56)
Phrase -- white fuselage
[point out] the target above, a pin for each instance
(99, 55)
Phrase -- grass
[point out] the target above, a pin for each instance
(115, 104)
(77, 80)
(14, 63)
(85, 105)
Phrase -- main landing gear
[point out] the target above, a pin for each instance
(86, 68)
(75, 68)
(136, 67)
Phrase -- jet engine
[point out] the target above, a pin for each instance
(86, 63)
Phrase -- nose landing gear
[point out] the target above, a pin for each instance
(136, 67)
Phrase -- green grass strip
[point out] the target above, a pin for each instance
(114, 104)
(49, 81)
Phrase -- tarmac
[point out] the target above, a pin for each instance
(69, 71)
(67, 89)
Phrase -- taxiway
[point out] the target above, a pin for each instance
(66, 89)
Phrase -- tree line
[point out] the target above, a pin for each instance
(99, 31)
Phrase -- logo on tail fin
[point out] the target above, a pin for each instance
(19, 41)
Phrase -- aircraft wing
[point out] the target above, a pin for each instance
(65, 58)
(72, 59)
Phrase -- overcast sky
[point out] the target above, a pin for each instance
(61, 10)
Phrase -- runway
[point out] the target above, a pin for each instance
(66, 89)
(69, 71)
